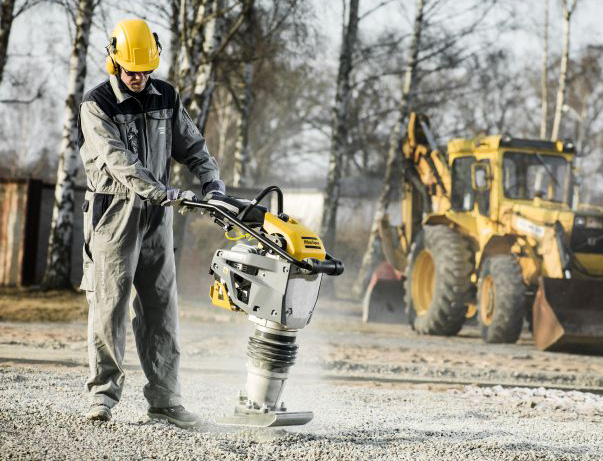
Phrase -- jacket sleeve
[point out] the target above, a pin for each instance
(112, 156)
(189, 146)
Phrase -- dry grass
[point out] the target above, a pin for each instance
(35, 305)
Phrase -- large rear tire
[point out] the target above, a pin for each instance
(501, 297)
(438, 284)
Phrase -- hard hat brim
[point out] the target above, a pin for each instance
(131, 67)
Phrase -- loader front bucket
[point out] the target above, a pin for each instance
(568, 315)
(384, 298)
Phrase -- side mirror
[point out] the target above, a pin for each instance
(480, 176)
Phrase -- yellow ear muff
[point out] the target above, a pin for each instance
(110, 66)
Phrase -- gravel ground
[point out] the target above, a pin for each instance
(377, 391)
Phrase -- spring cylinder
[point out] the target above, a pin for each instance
(271, 352)
(274, 352)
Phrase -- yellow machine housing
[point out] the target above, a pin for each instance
(506, 197)
(301, 242)
(219, 296)
(298, 240)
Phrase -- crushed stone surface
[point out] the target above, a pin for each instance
(41, 417)
(340, 377)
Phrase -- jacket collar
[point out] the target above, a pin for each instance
(123, 95)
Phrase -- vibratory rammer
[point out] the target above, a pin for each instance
(276, 282)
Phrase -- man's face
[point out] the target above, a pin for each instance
(135, 81)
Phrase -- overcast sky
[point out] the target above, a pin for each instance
(40, 43)
(586, 23)
(49, 24)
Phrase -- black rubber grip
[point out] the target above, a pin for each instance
(328, 266)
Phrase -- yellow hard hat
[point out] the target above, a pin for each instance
(133, 46)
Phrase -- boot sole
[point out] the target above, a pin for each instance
(174, 421)
(100, 415)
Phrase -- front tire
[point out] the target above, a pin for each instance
(501, 297)
(438, 285)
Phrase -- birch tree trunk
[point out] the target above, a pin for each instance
(224, 115)
(7, 8)
(544, 82)
(373, 249)
(241, 153)
(203, 42)
(339, 125)
(195, 74)
(244, 100)
(58, 264)
(173, 71)
(206, 68)
(561, 89)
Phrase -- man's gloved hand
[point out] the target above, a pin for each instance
(233, 205)
(175, 196)
(215, 186)
(214, 192)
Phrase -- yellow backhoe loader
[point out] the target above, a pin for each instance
(491, 228)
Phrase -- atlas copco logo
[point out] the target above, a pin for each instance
(311, 242)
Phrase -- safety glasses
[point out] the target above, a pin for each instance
(133, 74)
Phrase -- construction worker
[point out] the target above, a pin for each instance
(130, 127)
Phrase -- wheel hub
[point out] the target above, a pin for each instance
(486, 302)
(423, 282)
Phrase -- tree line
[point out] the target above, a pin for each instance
(256, 79)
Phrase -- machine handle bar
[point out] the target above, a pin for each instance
(260, 197)
(331, 267)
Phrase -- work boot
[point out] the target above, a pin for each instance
(175, 415)
(99, 412)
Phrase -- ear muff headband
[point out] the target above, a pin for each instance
(159, 47)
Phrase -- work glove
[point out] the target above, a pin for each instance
(213, 186)
(230, 204)
(214, 193)
(175, 196)
(235, 205)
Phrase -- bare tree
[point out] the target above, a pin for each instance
(225, 119)
(568, 11)
(584, 107)
(9, 10)
(496, 100)
(372, 251)
(293, 109)
(203, 38)
(174, 15)
(544, 81)
(340, 119)
(241, 154)
(58, 265)
(244, 100)
(272, 31)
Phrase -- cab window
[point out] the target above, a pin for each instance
(527, 175)
(463, 195)
(483, 197)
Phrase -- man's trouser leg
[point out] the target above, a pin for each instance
(156, 310)
(110, 257)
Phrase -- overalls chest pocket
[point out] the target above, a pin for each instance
(159, 124)
(131, 132)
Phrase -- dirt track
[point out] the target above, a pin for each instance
(378, 392)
